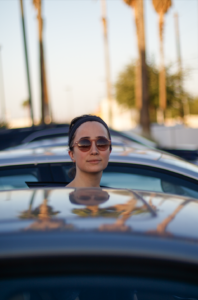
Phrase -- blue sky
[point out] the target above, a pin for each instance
(74, 51)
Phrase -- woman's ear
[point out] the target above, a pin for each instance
(71, 154)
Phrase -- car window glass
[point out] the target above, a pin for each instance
(123, 289)
(62, 172)
(131, 181)
(16, 177)
(151, 179)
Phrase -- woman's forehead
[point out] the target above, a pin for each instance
(91, 129)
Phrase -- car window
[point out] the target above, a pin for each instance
(148, 178)
(119, 175)
(62, 172)
(17, 176)
(131, 181)
(105, 288)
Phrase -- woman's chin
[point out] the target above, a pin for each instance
(95, 169)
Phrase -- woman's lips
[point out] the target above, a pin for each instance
(94, 161)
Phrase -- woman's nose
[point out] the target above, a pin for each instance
(94, 149)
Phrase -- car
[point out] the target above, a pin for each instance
(13, 137)
(97, 243)
(128, 167)
(63, 131)
(63, 141)
(58, 135)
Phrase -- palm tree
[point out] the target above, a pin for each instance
(27, 63)
(41, 212)
(142, 98)
(125, 211)
(45, 113)
(161, 7)
(161, 227)
(43, 216)
(107, 60)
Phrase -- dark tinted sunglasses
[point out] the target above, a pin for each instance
(85, 144)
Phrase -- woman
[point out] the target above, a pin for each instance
(89, 149)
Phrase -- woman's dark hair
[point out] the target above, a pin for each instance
(75, 123)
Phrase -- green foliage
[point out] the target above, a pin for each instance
(125, 86)
(3, 125)
(193, 106)
(125, 89)
(102, 212)
(153, 85)
(34, 213)
(26, 103)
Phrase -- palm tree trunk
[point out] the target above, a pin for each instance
(162, 75)
(27, 63)
(144, 114)
(45, 114)
(107, 60)
(184, 106)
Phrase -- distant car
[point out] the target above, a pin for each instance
(57, 135)
(109, 244)
(117, 140)
(13, 137)
(131, 168)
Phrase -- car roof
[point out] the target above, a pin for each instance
(63, 131)
(63, 141)
(119, 154)
(92, 212)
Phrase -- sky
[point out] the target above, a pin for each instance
(74, 51)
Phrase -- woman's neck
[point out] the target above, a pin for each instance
(86, 179)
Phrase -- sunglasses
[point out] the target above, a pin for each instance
(85, 144)
(93, 197)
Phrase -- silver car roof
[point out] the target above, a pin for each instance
(120, 154)
(104, 210)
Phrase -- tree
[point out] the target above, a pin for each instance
(27, 63)
(125, 89)
(107, 60)
(142, 82)
(45, 113)
(193, 106)
(161, 7)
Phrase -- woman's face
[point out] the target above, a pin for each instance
(94, 160)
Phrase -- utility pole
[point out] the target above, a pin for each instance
(107, 60)
(3, 108)
(45, 114)
(27, 63)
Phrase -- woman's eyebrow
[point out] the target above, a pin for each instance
(101, 136)
(88, 137)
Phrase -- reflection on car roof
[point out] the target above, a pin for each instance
(102, 210)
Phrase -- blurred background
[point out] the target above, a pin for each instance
(132, 62)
